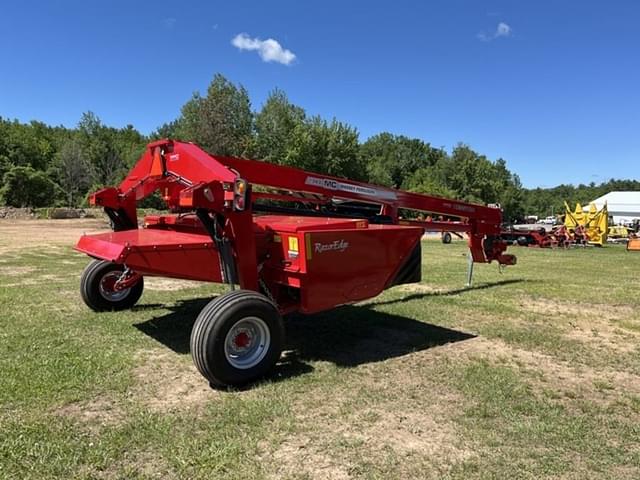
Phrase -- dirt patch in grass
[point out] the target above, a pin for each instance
(420, 288)
(595, 324)
(299, 457)
(34, 234)
(26, 283)
(93, 414)
(16, 271)
(576, 309)
(329, 445)
(391, 415)
(45, 279)
(405, 431)
(554, 377)
(133, 465)
(165, 380)
(169, 284)
(605, 337)
(69, 262)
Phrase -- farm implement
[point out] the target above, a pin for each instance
(593, 223)
(580, 228)
(558, 237)
(291, 241)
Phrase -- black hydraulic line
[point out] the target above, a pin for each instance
(119, 219)
(227, 263)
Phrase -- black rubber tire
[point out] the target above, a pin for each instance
(90, 288)
(446, 238)
(210, 330)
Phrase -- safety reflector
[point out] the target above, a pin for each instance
(239, 194)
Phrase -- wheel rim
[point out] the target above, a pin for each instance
(107, 290)
(247, 343)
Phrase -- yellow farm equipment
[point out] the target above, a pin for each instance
(618, 231)
(592, 224)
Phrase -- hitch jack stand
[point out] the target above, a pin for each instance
(469, 271)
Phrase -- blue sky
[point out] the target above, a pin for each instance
(551, 86)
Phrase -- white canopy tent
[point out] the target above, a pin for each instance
(624, 207)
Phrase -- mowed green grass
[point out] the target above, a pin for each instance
(532, 373)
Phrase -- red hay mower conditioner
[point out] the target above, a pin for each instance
(292, 240)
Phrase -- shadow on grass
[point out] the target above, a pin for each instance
(354, 335)
(174, 328)
(452, 292)
(346, 336)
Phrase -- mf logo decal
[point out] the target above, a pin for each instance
(335, 246)
(460, 208)
(349, 187)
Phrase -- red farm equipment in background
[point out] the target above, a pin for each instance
(558, 237)
(291, 240)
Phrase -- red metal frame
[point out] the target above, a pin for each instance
(189, 179)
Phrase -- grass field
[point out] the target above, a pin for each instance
(533, 373)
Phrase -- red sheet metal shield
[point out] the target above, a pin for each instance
(157, 252)
(345, 266)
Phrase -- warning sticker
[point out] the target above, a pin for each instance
(293, 247)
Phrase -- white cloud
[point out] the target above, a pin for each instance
(269, 50)
(502, 30)
(169, 22)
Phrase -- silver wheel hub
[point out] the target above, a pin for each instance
(107, 290)
(247, 343)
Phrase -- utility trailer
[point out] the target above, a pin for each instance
(291, 241)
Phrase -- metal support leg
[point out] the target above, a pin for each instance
(469, 270)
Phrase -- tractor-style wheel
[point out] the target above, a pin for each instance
(96, 287)
(237, 338)
(446, 238)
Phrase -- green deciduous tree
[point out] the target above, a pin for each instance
(509, 192)
(433, 180)
(110, 152)
(472, 175)
(325, 147)
(26, 144)
(73, 172)
(25, 187)
(221, 122)
(167, 130)
(391, 160)
(5, 166)
(469, 176)
(274, 128)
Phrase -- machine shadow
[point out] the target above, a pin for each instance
(174, 329)
(346, 336)
(452, 292)
(352, 335)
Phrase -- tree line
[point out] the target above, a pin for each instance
(42, 165)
